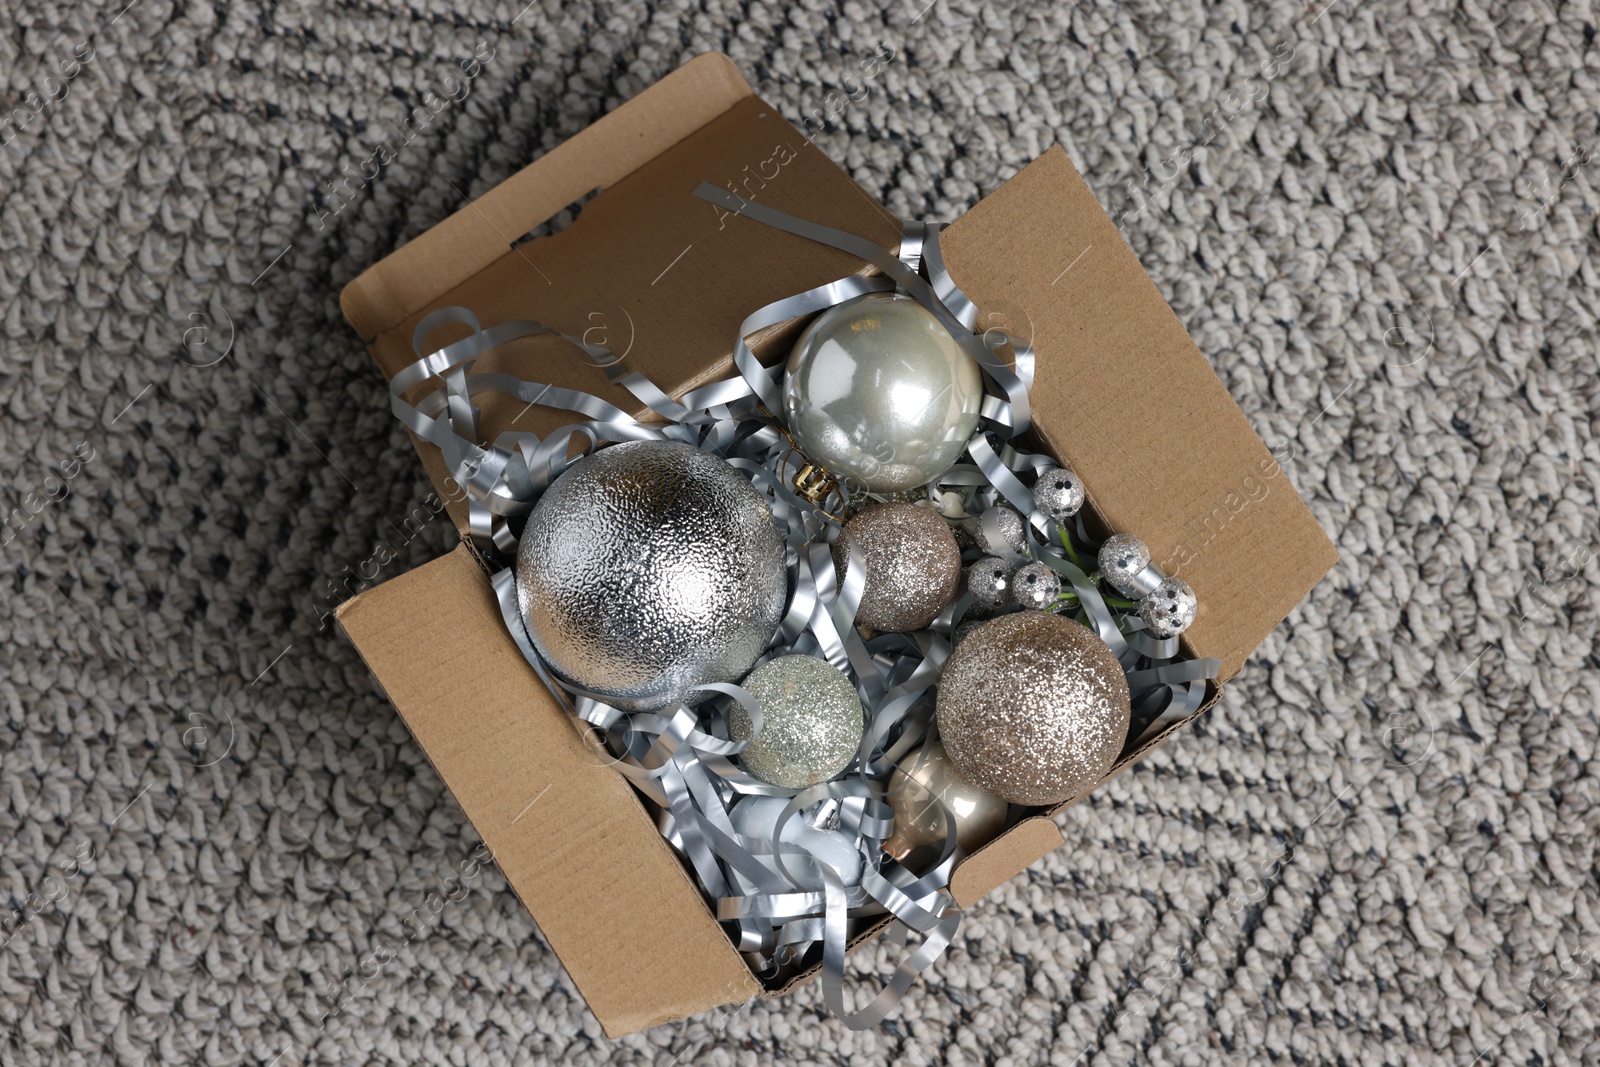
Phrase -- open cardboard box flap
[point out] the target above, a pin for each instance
(670, 279)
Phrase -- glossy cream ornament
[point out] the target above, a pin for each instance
(926, 792)
(880, 394)
(647, 568)
(811, 722)
(913, 567)
(1169, 610)
(1033, 708)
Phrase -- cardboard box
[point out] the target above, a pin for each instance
(669, 278)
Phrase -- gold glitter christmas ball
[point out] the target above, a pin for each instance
(1033, 708)
(811, 722)
(913, 565)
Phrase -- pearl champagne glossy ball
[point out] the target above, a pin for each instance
(880, 394)
(926, 791)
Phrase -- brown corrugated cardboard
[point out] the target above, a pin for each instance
(570, 834)
(646, 268)
(586, 858)
(1125, 397)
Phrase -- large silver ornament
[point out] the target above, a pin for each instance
(647, 568)
(1036, 586)
(913, 565)
(1169, 610)
(1059, 493)
(1033, 708)
(1000, 531)
(926, 792)
(879, 393)
(811, 722)
(989, 582)
(1122, 558)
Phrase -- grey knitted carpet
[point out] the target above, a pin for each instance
(1377, 221)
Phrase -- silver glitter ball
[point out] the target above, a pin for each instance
(1012, 537)
(1122, 558)
(1169, 610)
(913, 565)
(811, 724)
(1058, 493)
(879, 393)
(989, 582)
(647, 568)
(1033, 708)
(1036, 586)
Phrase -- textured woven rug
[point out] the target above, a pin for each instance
(1376, 220)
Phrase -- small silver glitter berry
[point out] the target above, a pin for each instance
(1122, 557)
(989, 582)
(1012, 538)
(1058, 493)
(1036, 586)
(1169, 610)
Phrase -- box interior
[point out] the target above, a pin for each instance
(675, 276)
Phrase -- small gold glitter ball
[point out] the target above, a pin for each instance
(811, 722)
(913, 565)
(1033, 708)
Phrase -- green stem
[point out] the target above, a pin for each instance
(1066, 543)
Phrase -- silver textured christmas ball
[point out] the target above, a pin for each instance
(1033, 708)
(1122, 558)
(1012, 539)
(879, 393)
(1169, 610)
(811, 724)
(1036, 586)
(1059, 493)
(647, 568)
(989, 582)
(913, 565)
